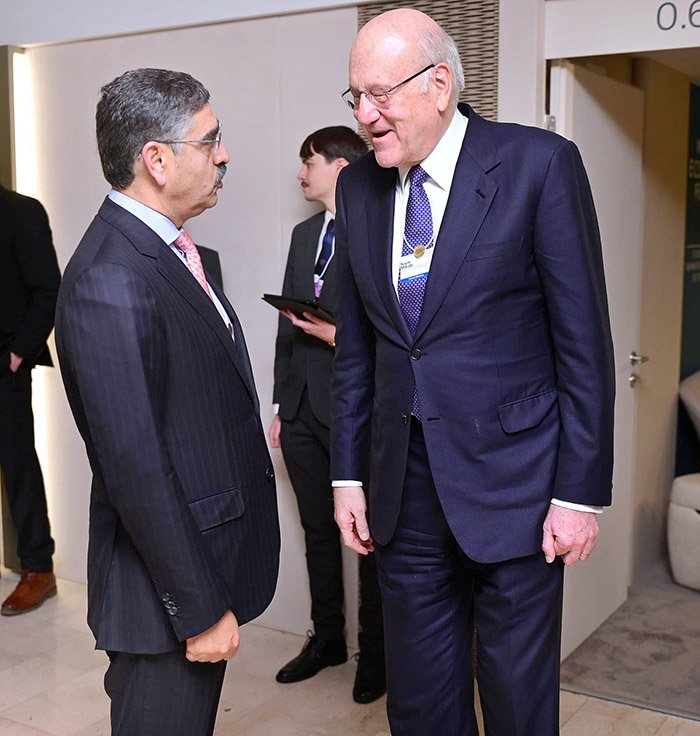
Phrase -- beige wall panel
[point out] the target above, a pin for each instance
(272, 81)
(667, 95)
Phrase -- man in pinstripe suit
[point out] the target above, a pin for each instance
(184, 538)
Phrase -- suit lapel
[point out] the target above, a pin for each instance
(147, 242)
(471, 195)
(380, 236)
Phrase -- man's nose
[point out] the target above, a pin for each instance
(365, 112)
(221, 155)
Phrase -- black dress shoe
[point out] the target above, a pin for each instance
(370, 678)
(315, 655)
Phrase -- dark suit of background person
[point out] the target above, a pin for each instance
(303, 369)
(512, 361)
(29, 281)
(183, 514)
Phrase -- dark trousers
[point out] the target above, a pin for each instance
(159, 694)
(433, 594)
(20, 466)
(306, 449)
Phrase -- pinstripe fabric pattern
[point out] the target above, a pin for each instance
(183, 515)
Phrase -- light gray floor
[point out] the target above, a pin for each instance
(51, 683)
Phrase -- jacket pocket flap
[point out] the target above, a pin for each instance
(526, 413)
(493, 250)
(217, 509)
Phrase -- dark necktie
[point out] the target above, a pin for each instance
(418, 233)
(324, 257)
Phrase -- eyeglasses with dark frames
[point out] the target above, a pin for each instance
(377, 97)
(216, 140)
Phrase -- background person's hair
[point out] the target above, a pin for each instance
(139, 106)
(336, 141)
(436, 46)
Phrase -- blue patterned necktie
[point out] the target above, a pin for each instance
(418, 231)
(324, 257)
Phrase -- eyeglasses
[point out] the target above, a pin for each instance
(216, 140)
(377, 97)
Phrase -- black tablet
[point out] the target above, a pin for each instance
(298, 306)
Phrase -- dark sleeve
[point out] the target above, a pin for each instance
(570, 264)
(284, 343)
(39, 272)
(352, 386)
(111, 342)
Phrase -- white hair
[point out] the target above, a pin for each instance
(438, 47)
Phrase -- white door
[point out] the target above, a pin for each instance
(604, 118)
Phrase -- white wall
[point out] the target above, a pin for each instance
(24, 22)
(595, 27)
(272, 81)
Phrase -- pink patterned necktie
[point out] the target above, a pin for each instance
(185, 243)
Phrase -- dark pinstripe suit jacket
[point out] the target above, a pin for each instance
(301, 360)
(183, 514)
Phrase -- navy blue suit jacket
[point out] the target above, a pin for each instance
(183, 513)
(512, 355)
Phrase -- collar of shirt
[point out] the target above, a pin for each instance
(168, 232)
(159, 223)
(440, 166)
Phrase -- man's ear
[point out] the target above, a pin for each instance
(340, 163)
(442, 79)
(152, 157)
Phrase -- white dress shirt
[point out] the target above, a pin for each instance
(440, 166)
(169, 233)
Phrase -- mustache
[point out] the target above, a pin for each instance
(222, 173)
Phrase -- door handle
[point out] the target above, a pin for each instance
(636, 360)
(632, 380)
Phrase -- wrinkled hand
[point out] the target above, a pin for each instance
(570, 534)
(351, 518)
(274, 433)
(219, 642)
(15, 362)
(313, 326)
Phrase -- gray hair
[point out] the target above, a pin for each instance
(437, 47)
(139, 106)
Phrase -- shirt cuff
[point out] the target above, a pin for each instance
(578, 506)
(346, 483)
(276, 408)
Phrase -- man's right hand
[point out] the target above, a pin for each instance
(275, 429)
(219, 642)
(351, 518)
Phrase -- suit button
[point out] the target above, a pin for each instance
(270, 474)
(172, 611)
(415, 353)
(404, 418)
(166, 598)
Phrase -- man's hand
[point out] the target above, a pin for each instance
(313, 326)
(274, 433)
(16, 362)
(351, 518)
(217, 643)
(569, 533)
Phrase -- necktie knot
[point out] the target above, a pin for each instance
(417, 176)
(194, 262)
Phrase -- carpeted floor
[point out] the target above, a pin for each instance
(647, 653)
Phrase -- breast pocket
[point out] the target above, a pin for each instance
(480, 251)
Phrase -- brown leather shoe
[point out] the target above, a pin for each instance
(31, 591)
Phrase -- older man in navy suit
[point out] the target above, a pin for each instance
(184, 540)
(473, 346)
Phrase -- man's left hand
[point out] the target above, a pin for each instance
(15, 362)
(313, 326)
(570, 534)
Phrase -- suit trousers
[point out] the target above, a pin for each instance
(433, 594)
(20, 466)
(157, 694)
(306, 449)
